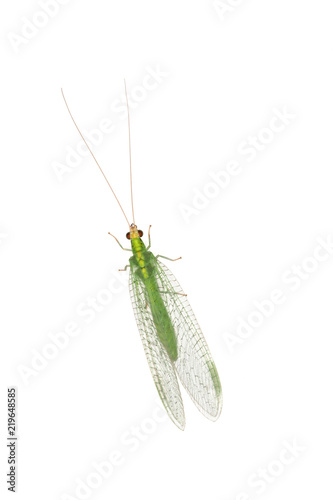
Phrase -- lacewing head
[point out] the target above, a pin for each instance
(134, 232)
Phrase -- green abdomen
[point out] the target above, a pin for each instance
(145, 262)
(164, 327)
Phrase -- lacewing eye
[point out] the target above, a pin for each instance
(128, 236)
(140, 233)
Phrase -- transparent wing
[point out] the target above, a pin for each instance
(160, 365)
(194, 365)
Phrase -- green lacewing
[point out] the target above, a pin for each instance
(173, 342)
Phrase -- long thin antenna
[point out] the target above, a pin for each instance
(92, 154)
(129, 143)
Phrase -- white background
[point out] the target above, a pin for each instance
(223, 76)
